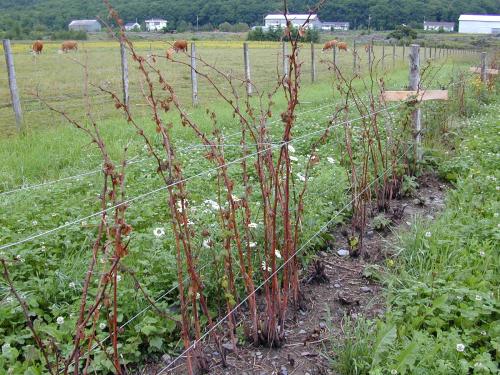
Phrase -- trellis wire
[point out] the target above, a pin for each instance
(95, 171)
(203, 173)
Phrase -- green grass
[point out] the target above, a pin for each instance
(443, 292)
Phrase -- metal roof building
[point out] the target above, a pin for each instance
(436, 26)
(479, 24)
(85, 25)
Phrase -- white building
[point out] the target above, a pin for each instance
(278, 20)
(129, 26)
(436, 26)
(156, 24)
(327, 26)
(85, 25)
(479, 24)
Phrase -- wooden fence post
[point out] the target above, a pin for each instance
(123, 53)
(354, 54)
(370, 52)
(194, 77)
(313, 63)
(483, 67)
(246, 61)
(285, 61)
(404, 47)
(14, 93)
(414, 85)
(425, 52)
(435, 52)
(335, 57)
(393, 55)
(383, 56)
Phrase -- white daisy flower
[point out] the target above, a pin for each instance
(301, 177)
(290, 148)
(72, 285)
(460, 348)
(293, 158)
(330, 160)
(253, 225)
(252, 244)
(206, 243)
(481, 254)
(265, 267)
(478, 297)
(34, 222)
(118, 278)
(60, 320)
(213, 204)
(159, 232)
(277, 253)
(394, 371)
(428, 234)
(102, 326)
(235, 198)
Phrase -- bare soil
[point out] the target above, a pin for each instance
(339, 289)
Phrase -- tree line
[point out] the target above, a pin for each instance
(28, 15)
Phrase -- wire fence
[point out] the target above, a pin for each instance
(64, 85)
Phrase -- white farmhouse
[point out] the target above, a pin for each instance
(479, 24)
(130, 26)
(156, 24)
(278, 20)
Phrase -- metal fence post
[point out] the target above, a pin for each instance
(14, 93)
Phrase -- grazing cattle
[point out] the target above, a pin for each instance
(37, 47)
(69, 45)
(330, 44)
(368, 48)
(342, 46)
(181, 45)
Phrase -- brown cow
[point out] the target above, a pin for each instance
(37, 47)
(69, 45)
(342, 46)
(181, 45)
(330, 44)
(368, 48)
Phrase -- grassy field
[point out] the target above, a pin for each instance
(58, 79)
(48, 270)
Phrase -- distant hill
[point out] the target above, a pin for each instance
(384, 14)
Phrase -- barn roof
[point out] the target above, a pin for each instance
(291, 17)
(83, 22)
(131, 24)
(438, 23)
(480, 17)
(335, 23)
